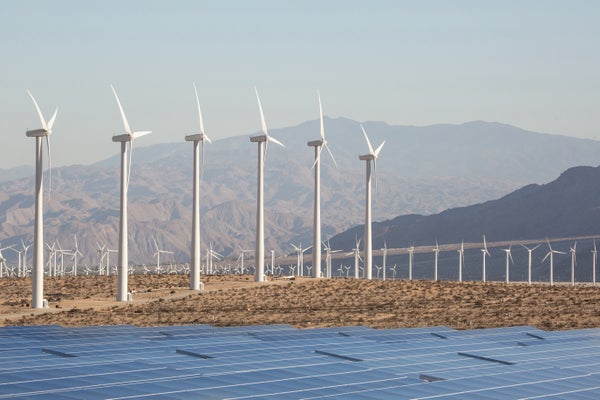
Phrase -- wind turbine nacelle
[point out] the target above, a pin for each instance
(195, 137)
(259, 138)
(121, 138)
(366, 157)
(314, 143)
(36, 133)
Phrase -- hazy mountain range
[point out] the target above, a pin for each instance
(421, 170)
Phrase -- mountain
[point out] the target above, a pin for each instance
(421, 170)
(567, 206)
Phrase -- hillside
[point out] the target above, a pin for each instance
(421, 170)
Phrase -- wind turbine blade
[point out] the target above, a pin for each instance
(262, 116)
(125, 123)
(155, 244)
(206, 138)
(317, 158)
(330, 153)
(139, 134)
(42, 120)
(536, 247)
(547, 254)
(377, 150)
(199, 110)
(49, 163)
(272, 139)
(51, 122)
(322, 131)
(367, 138)
(547, 241)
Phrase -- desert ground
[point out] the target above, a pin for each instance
(301, 302)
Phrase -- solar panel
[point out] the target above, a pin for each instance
(279, 361)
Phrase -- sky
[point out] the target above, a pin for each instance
(532, 64)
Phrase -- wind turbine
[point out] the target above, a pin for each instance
(436, 253)
(25, 248)
(124, 139)
(319, 145)
(328, 253)
(262, 141)
(529, 251)
(550, 254)
(594, 259)
(20, 259)
(411, 256)
(484, 253)
(37, 274)
(241, 258)
(357, 258)
(3, 260)
(508, 260)
(372, 156)
(196, 255)
(75, 254)
(158, 252)
(461, 259)
(573, 251)
(384, 260)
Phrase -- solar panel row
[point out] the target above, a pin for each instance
(279, 361)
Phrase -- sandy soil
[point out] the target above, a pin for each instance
(304, 303)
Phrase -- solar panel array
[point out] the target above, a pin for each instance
(279, 361)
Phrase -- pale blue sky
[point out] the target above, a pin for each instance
(533, 64)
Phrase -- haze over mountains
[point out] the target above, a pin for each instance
(421, 170)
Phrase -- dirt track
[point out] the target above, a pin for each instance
(237, 300)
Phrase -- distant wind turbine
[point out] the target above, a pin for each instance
(411, 257)
(484, 253)
(384, 258)
(461, 260)
(125, 139)
(37, 273)
(372, 156)
(550, 254)
(319, 145)
(262, 141)
(196, 255)
(529, 251)
(508, 260)
(436, 252)
(594, 260)
(573, 251)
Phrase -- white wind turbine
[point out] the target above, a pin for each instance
(372, 156)
(3, 260)
(196, 255)
(262, 140)
(436, 252)
(411, 257)
(75, 255)
(20, 259)
(300, 257)
(319, 145)
(461, 260)
(550, 254)
(328, 253)
(357, 258)
(384, 258)
(509, 259)
(573, 251)
(25, 248)
(529, 251)
(124, 139)
(37, 274)
(158, 252)
(241, 258)
(484, 253)
(594, 260)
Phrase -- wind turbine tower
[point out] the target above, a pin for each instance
(372, 156)
(196, 255)
(461, 260)
(594, 260)
(508, 260)
(436, 252)
(529, 251)
(37, 273)
(573, 251)
(484, 253)
(319, 145)
(262, 141)
(125, 140)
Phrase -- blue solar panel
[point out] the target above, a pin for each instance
(279, 361)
